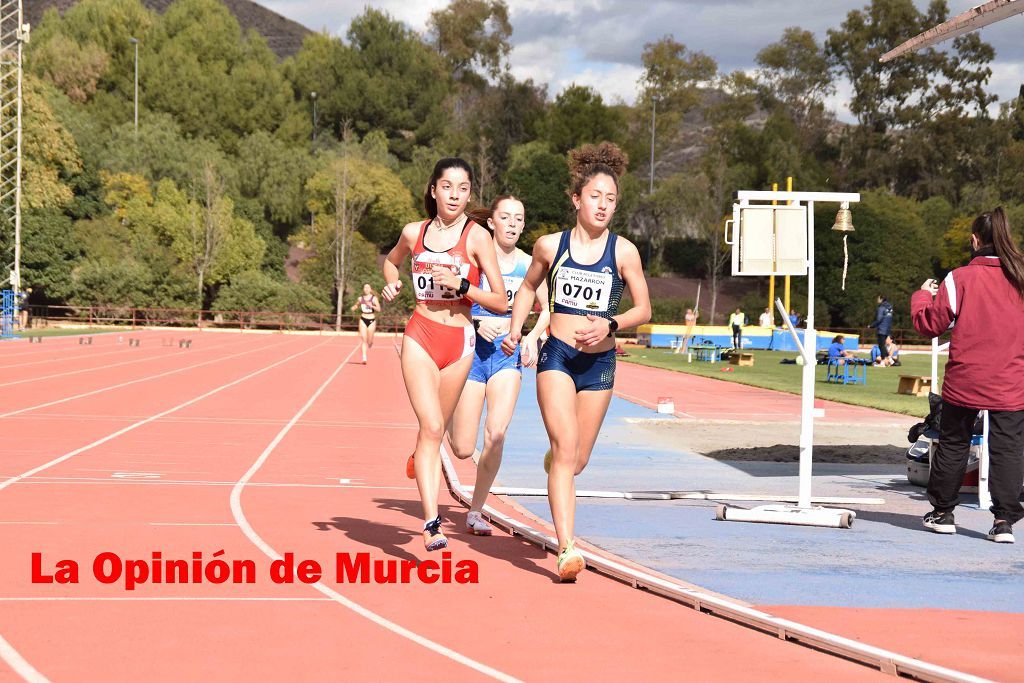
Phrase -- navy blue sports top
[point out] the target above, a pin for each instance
(578, 289)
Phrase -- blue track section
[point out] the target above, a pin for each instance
(886, 560)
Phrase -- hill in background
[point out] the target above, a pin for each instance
(283, 36)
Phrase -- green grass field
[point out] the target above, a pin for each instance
(62, 332)
(769, 373)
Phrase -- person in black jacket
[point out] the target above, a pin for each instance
(883, 325)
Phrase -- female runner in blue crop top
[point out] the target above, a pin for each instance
(494, 376)
(587, 268)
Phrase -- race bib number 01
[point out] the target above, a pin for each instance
(583, 289)
(423, 283)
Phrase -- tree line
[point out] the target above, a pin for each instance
(239, 157)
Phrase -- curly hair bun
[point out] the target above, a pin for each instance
(604, 154)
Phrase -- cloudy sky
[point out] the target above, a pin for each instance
(599, 42)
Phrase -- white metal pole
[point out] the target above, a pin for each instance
(809, 370)
(136, 87)
(935, 365)
(16, 277)
(654, 114)
(984, 496)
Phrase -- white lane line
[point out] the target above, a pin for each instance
(195, 482)
(250, 533)
(183, 598)
(98, 442)
(223, 421)
(192, 524)
(58, 360)
(7, 652)
(136, 381)
(18, 663)
(79, 372)
(647, 404)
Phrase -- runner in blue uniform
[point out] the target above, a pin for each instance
(494, 377)
(586, 269)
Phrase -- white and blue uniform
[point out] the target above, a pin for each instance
(489, 359)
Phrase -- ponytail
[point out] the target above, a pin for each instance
(480, 215)
(993, 228)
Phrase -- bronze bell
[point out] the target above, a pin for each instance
(844, 219)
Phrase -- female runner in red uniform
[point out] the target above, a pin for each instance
(449, 251)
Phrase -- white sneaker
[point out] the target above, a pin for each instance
(476, 525)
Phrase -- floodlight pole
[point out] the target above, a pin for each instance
(135, 43)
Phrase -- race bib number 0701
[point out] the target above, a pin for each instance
(583, 289)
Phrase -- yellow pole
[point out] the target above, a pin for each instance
(789, 188)
(771, 281)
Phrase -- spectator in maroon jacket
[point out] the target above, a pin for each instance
(983, 304)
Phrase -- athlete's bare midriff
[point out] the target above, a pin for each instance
(564, 326)
(454, 315)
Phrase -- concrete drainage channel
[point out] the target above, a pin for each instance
(883, 660)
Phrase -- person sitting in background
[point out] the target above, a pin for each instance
(837, 350)
(894, 351)
(892, 356)
(766, 319)
(794, 318)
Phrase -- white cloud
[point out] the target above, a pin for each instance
(615, 82)
(599, 42)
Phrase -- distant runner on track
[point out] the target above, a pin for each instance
(369, 307)
(449, 251)
(495, 377)
(586, 269)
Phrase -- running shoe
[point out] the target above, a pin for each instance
(570, 563)
(547, 461)
(476, 524)
(410, 466)
(433, 539)
(940, 522)
(1001, 532)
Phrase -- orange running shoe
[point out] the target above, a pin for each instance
(433, 539)
(410, 466)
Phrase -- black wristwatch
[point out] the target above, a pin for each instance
(613, 325)
(463, 288)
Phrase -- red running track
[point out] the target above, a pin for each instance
(280, 444)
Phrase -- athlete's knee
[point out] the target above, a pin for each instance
(462, 450)
(494, 435)
(432, 430)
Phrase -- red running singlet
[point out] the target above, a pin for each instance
(456, 258)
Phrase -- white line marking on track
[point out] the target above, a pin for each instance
(7, 652)
(250, 533)
(134, 381)
(168, 598)
(647, 404)
(57, 360)
(80, 371)
(18, 663)
(195, 482)
(192, 524)
(98, 442)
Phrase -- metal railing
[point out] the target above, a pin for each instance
(131, 317)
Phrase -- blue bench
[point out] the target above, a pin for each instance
(847, 371)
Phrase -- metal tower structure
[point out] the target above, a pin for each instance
(971, 20)
(13, 35)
